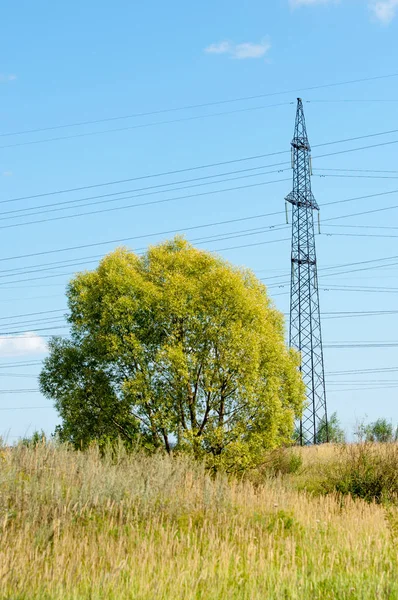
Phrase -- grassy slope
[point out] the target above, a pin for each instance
(73, 526)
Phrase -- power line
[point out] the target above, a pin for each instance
(229, 221)
(283, 283)
(110, 197)
(157, 188)
(364, 226)
(24, 408)
(364, 382)
(218, 237)
(19, 375)
(366, 235)
(364, 371)
(149, 176)
(152, 113)
(348, 101)
(87, 259)
(361, 389)
(131, 238)
(361, 269)
(360, 289)
(42, 312)
(358, 170)
(8, 335)
(139, 204)
(356, 176)
(354, 264)
(216, 164)
(141, 126)
(166, 200)
(360, 314)
(70, 204)
(201, 105)
(356, 149)
(368, 212)
(84, 260)
(363, 345)
(23, 390)
(20, 364)
(326, 316)
(197, 227)
(217, 250)
(54, 321)
(335, 289)
(145, 125)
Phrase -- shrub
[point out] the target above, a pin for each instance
(37, 437)
(380, 431)
(366, 470)
(279, 462)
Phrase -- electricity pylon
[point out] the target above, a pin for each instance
(305, 319)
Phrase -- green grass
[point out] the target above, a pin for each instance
(75, 526)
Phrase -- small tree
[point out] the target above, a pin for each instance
(333, 433)
(37, 437)
(380, 431)
(176, 347)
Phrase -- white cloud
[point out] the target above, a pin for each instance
(249, 50)
(25, 344)
(4, 78)
(220, 48)
(384, 10)
(240, 51)
(7, 173)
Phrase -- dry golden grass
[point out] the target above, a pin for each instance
(74, 526)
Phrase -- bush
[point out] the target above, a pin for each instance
(332, 433)
(37, 437)
(380, 431)
(279, 462)
(366, 470)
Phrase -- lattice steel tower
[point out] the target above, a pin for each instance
(305, 320)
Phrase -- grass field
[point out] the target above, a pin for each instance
(75, 526)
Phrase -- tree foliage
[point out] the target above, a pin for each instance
(175, 348)
(334, 433)
(380, 430)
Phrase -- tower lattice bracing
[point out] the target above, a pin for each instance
(305, 320)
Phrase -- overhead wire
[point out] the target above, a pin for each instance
(215, 164)
(363, 371)
(20, 364)
(140, 204)
(141, 126)
(217, 192)
(30, 391)
(219, 237)
(24, 408)
(155, 189)
(199, 105)
(23, 212)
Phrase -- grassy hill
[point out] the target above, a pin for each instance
(75, 526)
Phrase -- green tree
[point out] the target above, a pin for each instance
(380, 431)
(174, 348)
(333, 433)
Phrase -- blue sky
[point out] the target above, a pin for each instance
(62, 64)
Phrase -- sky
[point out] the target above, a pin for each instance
(95, 93)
